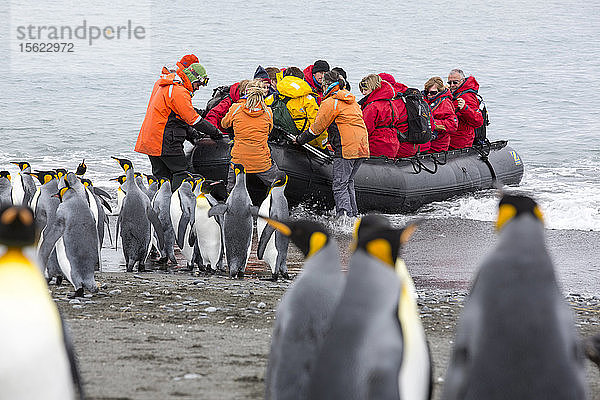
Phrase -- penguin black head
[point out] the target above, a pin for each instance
(198, 180)
(121, 179)
(22, 164)
(238, 169)
(512, 206)
(161, 181)
(309, 236)
(61, 192)
(81, 168)
(124, 163)
(369, 221)
(151, 179)
(17, 227)
(376, 237)
(43, 176)
(280, 180)
(5, 174)
(60, 172)
(218, 190)
(86, 182)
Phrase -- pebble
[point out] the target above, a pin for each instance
(77, 306)
(204, 303)
(74, 301)
(115, 291)
(261, 305)
(210, 309)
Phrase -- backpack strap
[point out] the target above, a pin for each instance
(392, 126)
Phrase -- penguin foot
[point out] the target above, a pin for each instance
(240, 275)
(58, 281)
(286, 276)
(141, 267)
(77, 293)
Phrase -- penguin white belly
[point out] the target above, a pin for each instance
(18, 191)
(120, 197)
(175, 211)
(416, 365)
(187, 251)
(34, 363)
(35, 199)
(270, 254)
(94, 209)
(63, 260)
(208, 235)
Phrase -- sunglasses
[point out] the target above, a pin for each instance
(203, 81)
(431, 92)
(453, 82)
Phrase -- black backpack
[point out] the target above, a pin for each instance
(419, 117)
(219, 94)
(481, 132)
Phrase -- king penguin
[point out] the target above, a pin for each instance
(272, 244)
(120, 193)
(237, 224)
(152, 186)
(516, 338)
(44, 205)
(75, 236)
(38, 360)
(361, 356)
(136, 220)
(209, 237)
(5, 189)
(183, 205)
(592, 348)
(304, 314)
(161, 203)
(23, 185)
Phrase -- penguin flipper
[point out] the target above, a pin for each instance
(51, 235)
(263, 240)
(218, 209)
(117, 232)
(102, 193)
(75, 374)
(105, 203)
(153, 218)
(106, 220)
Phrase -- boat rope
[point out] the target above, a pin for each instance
(483, 154)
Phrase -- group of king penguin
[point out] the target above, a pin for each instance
(71, 215)
(356, 335)
(359, 335)
(213, 229)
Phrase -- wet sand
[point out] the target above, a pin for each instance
(159, 335)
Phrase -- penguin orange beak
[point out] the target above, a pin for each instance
(280, 226)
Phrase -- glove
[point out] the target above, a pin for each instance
(206, 127)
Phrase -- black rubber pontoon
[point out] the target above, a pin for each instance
(382, 184)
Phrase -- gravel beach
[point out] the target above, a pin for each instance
(158, 335)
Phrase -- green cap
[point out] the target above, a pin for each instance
(195, 72)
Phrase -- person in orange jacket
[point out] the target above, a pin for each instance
(168, 120)
(252, 121)
(341, 115)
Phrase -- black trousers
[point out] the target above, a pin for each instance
(173, 168)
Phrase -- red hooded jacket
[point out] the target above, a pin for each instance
(216, 114)
(382, 116)
(469, 117)
(310, 79)
(442, 110)
(405, 149)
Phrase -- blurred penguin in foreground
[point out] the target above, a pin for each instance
(516, 338)
(37, 358)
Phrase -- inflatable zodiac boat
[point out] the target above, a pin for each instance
(382, 184)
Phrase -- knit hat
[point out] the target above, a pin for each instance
(188, 60)
(320, 66)
(196, 72)
(261, 73)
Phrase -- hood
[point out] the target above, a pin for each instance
(308, 77)
(469, 83)
(169, 79)
(398, 87)
(344, 95)
(291, 86)
(386, 91)
(255, 112)
(234, 92)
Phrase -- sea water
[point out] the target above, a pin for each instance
(537, 64)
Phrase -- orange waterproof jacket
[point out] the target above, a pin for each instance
(341, 115)
(251, 129)
(168, 116)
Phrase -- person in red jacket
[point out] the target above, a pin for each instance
(405, 149)
(382, 116)
(466, 105)
(167, 123)
(216, 114)
(445, 121)
(313, 74)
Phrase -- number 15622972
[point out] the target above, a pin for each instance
(47, 47)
